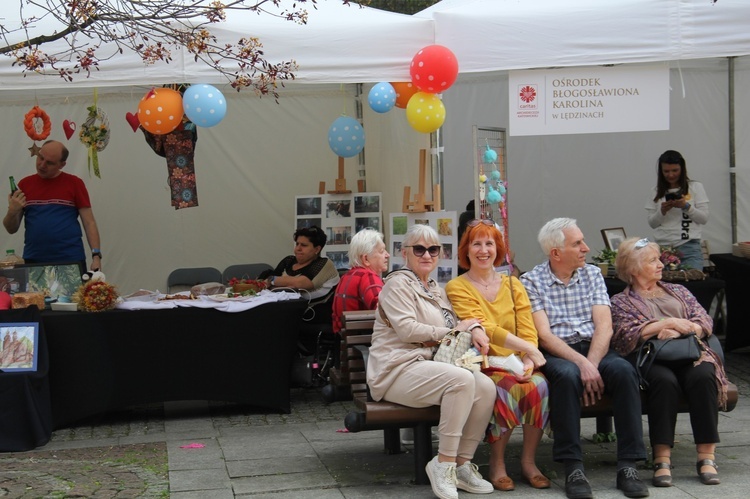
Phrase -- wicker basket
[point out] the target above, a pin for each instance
(682, 275)
(744, 249)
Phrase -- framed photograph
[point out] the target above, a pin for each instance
(19, 346)
(613, 237)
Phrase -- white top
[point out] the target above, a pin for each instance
(677, 226)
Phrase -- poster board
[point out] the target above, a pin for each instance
(340, 216)
(19, 346)
(445, 223)
(54, 280)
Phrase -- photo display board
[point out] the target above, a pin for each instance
(340, 216)
(445, 223)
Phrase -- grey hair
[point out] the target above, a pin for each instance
(629, 261)
(552, 236)
(420, 231)
(363, 243)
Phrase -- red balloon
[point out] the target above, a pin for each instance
(434, 69)
(404, 91)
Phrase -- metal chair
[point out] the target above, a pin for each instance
(244, 271)
(189, 277)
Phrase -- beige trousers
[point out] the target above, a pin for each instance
(465, 399)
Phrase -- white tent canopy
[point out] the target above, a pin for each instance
(250, 166)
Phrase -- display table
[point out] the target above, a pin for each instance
(25, 415)
(704, 291)
(735, 271)
(100, 362)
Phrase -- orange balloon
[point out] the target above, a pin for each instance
(404, 91)
(160, 110)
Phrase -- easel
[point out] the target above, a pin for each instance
(419, 205)
(341, 183)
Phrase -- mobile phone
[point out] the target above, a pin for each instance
(672, 196)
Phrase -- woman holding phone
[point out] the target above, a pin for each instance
(678, 210)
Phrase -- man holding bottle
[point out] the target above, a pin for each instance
(52, 200)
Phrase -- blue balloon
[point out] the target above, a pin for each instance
(382, 97)
(346, 137)
(204, 105)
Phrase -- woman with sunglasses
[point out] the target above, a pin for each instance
(305, 269)
(501, 303)
(413, 314)
(650, 308)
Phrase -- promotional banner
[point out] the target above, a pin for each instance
(589, 100)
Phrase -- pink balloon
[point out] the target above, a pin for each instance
(434, 69)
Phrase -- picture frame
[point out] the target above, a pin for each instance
(613, 237)
(19, 346)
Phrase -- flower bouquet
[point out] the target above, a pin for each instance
(246, 287)
(95, 296)
(673, 268)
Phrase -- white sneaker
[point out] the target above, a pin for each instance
(469, 479)
(442, 478)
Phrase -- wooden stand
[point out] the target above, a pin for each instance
(419, 205)
(340, 185)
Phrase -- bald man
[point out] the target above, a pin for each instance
(52, 201)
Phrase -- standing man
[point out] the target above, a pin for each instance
(52, 201)
(571, 311)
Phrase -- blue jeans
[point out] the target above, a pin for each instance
(566, 390)
(692, 254)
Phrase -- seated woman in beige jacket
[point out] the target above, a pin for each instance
(413, 310)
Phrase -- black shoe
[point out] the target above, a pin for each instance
(577, 486)
(630, 484)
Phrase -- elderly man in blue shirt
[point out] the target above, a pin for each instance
(571, 311)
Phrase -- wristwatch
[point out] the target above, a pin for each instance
(96, 252)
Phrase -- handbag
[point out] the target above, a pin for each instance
(452, 347)
(673, 352)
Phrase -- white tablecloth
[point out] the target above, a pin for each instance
(221, 303)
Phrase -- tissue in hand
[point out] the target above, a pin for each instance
(511, 363)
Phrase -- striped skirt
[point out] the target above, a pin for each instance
(518, 403)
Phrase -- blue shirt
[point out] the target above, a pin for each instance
(568, 307)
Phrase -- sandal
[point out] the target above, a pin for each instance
(662, 480)
(708, 478)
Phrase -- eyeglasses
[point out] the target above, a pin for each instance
(419, 250)
(476, 221)
(641, 243)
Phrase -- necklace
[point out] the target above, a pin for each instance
(651, 294)
(486, 285)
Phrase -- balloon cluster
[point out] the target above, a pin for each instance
(433, 70)
(161, 110)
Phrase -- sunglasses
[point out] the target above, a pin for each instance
(419, 250)
(476, 221)
(641, 243)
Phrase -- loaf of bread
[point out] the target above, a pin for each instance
(23, 300)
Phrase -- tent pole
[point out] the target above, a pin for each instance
(732, 150)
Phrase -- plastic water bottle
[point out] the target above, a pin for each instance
(10, 259)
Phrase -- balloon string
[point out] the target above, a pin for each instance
(343, 93)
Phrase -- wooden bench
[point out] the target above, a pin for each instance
(390, 417)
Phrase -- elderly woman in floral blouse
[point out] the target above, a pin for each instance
(649, 308)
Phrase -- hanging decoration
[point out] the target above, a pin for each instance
(204, 105)
(30, 122)
(160, 110)
(382, 97)
(69, 127)
(425, 112)
(133, 121)
(404, 91)
(94, 135)
(346, 136)
(178, 147)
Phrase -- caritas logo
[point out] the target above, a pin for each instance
(527, 94)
